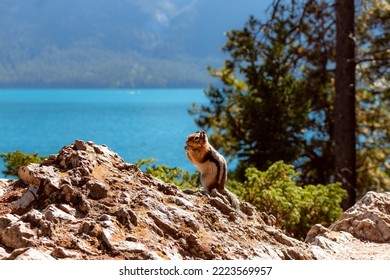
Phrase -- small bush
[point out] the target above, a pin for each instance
(296, 208)
(14, 160)
(178, 176)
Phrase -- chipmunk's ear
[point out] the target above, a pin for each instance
(203, 134)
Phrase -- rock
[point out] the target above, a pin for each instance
(29, 254)
(67, 209)
(3, 253)
(221, 205)
(28, 175)
(56, 215)
(97, 190)
(181, 202)
(75, 197)
(164, 224)
(6, 220)
(126, 217)
(368, 219)
(4, 184)
(87, 203)
(315, 231)
(90, 228)
(358, 233)
(79, 145)
(84, 247)
(62, 253)
(37, 220)
(26, 201)
(37, 175)
(320, 254)
(46, 242)
(18, 235)
(128, 246)
(115, 240)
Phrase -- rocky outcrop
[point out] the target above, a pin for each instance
(87, 203)
(362, 232)
(368, 219)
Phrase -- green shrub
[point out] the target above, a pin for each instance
(14, 160)
(178, 176)
(296, 208)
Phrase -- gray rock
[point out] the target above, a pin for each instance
(67, 208)
(33, 217)
(4, 184)
(84, 247)
(111, 234)
(18, 235)
(368, 219)
(164, 224)
(6, 220)
(62, 253)
(28, 175)
(181, 202)
(75, 197)
(115, 239)
(328, 244)
(29, 254)
(34, 174)
(97, 190)
(221, 205)
(56, 215)
(37, 220)
(128, 246)
(126, 217)
(3, 253)
(320, 254)
(91, 228)
(47, 242)
(79, 145)
(22, 205)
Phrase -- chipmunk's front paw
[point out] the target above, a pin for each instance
(187, 148)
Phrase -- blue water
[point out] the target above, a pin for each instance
(136, 124)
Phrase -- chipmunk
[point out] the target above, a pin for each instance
(211, 164)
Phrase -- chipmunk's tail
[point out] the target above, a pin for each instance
(233, 199)
(228, 197)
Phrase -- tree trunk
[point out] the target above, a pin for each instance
(345, 120)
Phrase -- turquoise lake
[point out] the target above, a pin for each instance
(135, 123)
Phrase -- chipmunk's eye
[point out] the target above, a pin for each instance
(196, 138)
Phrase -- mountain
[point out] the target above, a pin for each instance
(118, 43)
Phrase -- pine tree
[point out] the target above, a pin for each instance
(277, 101)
